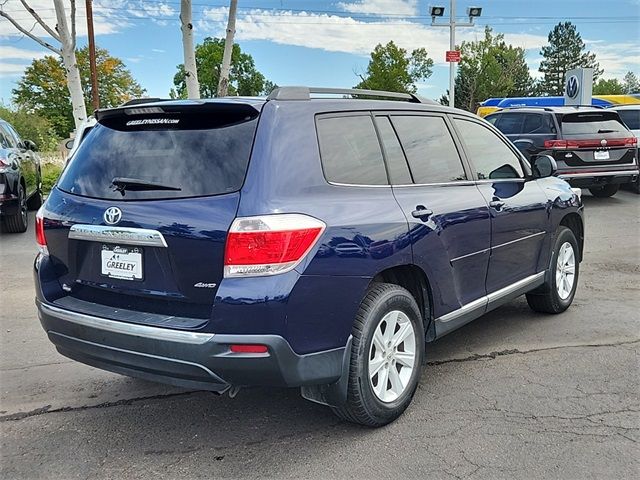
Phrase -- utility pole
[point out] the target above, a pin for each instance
(453, 56)
(92, 57)
(223, 83)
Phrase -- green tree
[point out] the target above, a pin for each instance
(244, 78)
(31, 126)
(43, 88)
(610, 86)
(490, 68)
(391, 68)
(566, 50)
(631, 83)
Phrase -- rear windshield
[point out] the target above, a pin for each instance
(165, 155)
(631, 118)
(591, 124)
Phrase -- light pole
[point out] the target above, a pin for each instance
(453, 56)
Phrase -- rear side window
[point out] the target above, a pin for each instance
(489, 154)
(396, 162)
(593, 124)
(430, 149)
(7, 136)
(194, 154)
(535, 123)
(510, 123)
(350, 150)
(631, 118)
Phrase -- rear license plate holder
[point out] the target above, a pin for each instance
(123, 263)
(601, 155)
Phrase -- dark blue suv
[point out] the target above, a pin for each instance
(315, 243)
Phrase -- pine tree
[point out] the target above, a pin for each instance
(566, 50)
(631, 83)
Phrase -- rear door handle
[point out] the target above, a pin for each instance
(497, 204)
(421, 212)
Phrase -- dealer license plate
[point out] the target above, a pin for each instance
(121, 262)
(601, 155)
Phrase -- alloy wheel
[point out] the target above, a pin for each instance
(565, 270)
(392, 356)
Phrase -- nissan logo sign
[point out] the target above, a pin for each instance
(572, 88)
(112, 215)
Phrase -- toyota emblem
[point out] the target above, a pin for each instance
(112, 215)
(572, 88)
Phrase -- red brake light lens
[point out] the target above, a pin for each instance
(591, 143)
(269, 244)
(41, 239)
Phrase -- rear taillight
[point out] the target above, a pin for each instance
(591, 143)
(41, 239)
(4, 162)
(269, 244)
(555, 144)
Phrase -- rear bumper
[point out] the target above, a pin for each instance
(182, 358)
(598, 178)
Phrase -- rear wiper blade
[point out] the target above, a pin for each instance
(120, 184)
(607, 131)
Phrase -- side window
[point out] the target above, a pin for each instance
(510, 123)
(14, 134)
(431, 152)
(4, 143)
(350, 150)
(538, 123)
(490, 155)
(533, 123)
(8, 136)
(492, 119)
(396, 162)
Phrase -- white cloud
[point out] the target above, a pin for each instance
(337, 33)
(11, 69)
(381, 7)
(109, 16)
(616, 58)
(8, 52)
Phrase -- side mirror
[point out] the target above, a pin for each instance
(29, 145)
(543, 166)
(68, 144)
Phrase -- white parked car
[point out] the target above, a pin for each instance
(630, 115)
(81, 134)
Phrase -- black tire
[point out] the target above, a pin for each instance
(35, 201)
(363, 406)
(605, 191)
(548, 299)
(17, 223)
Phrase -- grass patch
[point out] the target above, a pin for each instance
(50, 174)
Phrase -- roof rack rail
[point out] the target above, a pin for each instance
(304, 93)
(543, 107)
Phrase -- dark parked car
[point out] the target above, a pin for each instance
(296, 242)
(20, 179)
(592, 147)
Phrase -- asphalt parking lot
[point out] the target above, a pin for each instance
(513, 395)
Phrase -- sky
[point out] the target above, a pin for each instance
(320, 43)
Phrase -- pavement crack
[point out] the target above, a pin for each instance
(516, 351)
(127, 401)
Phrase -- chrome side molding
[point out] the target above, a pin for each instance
(120, 235)
(482, 302)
